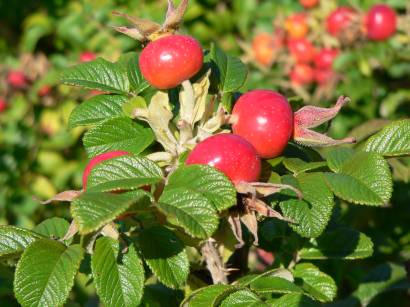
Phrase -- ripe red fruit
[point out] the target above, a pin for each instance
(44, 90)
(380, 22)
(17, 79)
(229, 153)
(265, 119)
(87, 56)
(296, 26)
(302, 74)
(325, 57)
(301, 49)
(263, 48)
(168, 61)
(307, 4)
(340, 19)
(324, 76)
(98, 159)
(3, 105)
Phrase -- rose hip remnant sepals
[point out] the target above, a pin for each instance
(265, 119)
(229, 153)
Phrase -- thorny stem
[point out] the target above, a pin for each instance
(214, 262)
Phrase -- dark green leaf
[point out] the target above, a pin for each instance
(210, 296)
(13, 240)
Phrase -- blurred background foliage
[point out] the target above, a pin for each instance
(40, 156)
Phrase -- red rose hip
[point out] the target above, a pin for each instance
(168, 61)
(3, 105)
(229, 153)
(307, 4)
(87, 56)
(17, 79)
(97, 160)
(380, 22)
(325, 57)
(301, 49)
(265, 119)
(340, 19)
(302, 74)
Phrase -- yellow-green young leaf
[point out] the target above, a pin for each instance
(45, 273)
(54, 228)
(316, 283)
(312, 214)
(97, 109)
(392, 140)
(364, 179)
(273, 284)
(165, 255)
(126, 172)
(118, 276)
(119, 133)
(210, 296)
(13, 240)
(297, 166)
(207, 181)
(295, 300)
(243, 298)
(190, 210)
(92, 210)
(341, 243)
(98, 74)
(229, 71)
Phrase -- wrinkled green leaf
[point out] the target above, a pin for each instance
(210, 296)
(243, 298)
(297, 166)
(14, 240)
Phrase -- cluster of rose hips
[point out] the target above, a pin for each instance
(311, 63)
(262, 121)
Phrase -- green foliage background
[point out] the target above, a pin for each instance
(39, 155)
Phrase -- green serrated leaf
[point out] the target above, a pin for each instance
(92, 210)
(189, 210)
(243, 298)
(97, 109)
(119, 133)
(318, 284)
(14, 240)
(337, 157)
(312, 214)
(230, 71)
(363, 179)
(273, 284)
(118, 277)
(210, 296)
(55, 227)
(45, 273)
(207, 181)
(295, 300)
(342, 243)
(297, 166)
(392, 140)
(137, 81)
(99, 74)
(165, 254)
(127, 172)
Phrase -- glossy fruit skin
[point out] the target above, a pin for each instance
(301, 49)
(340, 19)
(263, 48)
(17, 79)
(308, 4)
(324, 58)
(265, 119)
(296, 26)
(302, 74)
(98, 159)
(3, 105)
(87, 56)
(229, 153)
(380, 22)
(168, 61)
